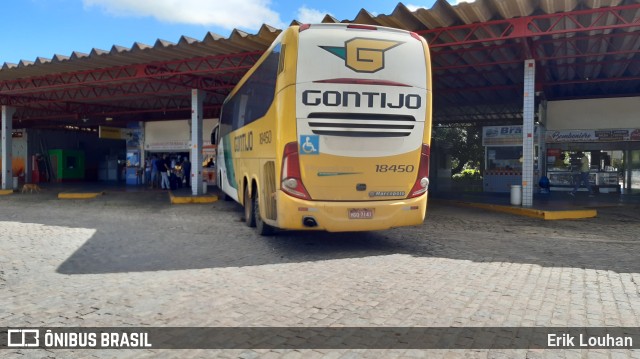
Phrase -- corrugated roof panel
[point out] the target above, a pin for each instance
(594, 4)
(24, 63)
(514, 8)
(97, 52)
(212, 44)
(554, 6)
(365, 17)
(267, 34)
(138, 46)
(117, 49)
(212, 36)
(474, 12)
(328, 19)
(250, 42)
(405, 18)
(187, 40)
(58, 58)
(433, 19)
(42, 60)
(78, 55)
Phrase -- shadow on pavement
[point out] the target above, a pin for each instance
(104, 253)
(153, 235)
(231, 244)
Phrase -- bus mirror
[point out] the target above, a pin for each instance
(214, 135)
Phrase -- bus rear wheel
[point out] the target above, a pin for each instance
(249, 213)
(263, 228)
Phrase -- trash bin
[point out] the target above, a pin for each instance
(204, 187)
(15, 182)
(516, 195)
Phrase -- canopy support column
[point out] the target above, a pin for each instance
(7, 131)
(528, 114)
(197, 99)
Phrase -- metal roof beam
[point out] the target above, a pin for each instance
(455, 59)
(606, 18)
(128, 90)
(156, 70)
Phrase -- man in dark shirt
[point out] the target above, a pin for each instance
(186, 171)
(163, 168)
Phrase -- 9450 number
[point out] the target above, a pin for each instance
(394, 168)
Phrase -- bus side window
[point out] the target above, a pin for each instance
(281, 59)
(214, 135)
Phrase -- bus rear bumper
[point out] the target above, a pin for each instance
(334, 216)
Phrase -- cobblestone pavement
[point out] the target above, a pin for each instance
(134, 260)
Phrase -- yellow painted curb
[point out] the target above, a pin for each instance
(530, 212)
(4, 192)
(574, 214)
(192, 199)
(87, 195)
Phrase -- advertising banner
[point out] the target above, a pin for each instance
(504, 135)
(564, 136)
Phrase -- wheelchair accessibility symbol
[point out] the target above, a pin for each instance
(309, 145)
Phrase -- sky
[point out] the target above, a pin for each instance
(42, 28)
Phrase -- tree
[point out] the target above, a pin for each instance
(463, 143)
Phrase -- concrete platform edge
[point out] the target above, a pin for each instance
(529, 212)
(78, 195)
(192, 199)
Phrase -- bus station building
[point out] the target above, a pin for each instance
(544, 79)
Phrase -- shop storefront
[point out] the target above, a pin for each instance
(172, 139)
(606, 150)
(607, 131)
(503, 157)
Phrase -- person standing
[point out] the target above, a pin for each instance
(186, 171)
(155, 173)
(163, 168)
(147, 170)
(583, 178)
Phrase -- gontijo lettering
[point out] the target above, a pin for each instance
(361, 99)
(243, 142)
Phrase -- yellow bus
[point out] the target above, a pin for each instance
(330, 130)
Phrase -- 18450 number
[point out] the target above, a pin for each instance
(394, 168)
(265, 137)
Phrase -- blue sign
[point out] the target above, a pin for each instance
(309, 144)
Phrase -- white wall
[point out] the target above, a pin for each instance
(174, 135)
(594, 114)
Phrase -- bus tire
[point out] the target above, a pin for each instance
(249, 213)
(263, 228)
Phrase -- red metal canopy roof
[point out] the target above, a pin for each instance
(583, 48)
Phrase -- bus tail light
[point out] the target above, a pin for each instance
(422, 181)
(304, 27)
(291, 177)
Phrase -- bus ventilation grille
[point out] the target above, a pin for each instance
(360, 124)
(269, 192)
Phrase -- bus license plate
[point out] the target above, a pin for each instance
(360, 213)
